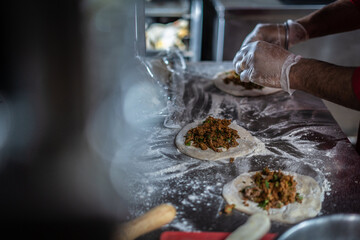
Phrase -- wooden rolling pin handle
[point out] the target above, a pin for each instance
(153, 219)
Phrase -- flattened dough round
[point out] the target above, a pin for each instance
(291, 213)
(240, 91)
(247, 144)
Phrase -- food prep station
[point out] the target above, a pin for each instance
(105, 150)
(298, 130)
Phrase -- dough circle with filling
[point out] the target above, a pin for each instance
(295, 212)
(247, 144)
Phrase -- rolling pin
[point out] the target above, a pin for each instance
(255, 228)
(153, 219)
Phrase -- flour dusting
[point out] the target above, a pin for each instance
(293, 138)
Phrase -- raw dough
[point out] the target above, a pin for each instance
(240, 91)
(247, 144)
(308, 188)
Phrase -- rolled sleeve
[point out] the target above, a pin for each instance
(356, 3)
(356, 82)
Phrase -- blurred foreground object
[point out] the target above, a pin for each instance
(337, 226)
(155, 218)
(52, 181)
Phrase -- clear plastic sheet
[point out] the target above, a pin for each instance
(298, 131)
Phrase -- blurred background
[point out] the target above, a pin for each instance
(74, 90)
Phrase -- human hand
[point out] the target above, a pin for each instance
(271, 33)
(284, 35)
(265, 64)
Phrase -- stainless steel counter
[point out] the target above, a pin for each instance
(299, 132)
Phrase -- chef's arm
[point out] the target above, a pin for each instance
(327, 81)
(271, 65)
(339, 16)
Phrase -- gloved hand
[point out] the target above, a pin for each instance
(284, 35)
(265, 64)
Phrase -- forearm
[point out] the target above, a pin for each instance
(339, 16)
(325, 80)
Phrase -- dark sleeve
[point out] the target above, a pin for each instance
(356, 3)
(356, 82)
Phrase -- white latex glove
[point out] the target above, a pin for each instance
(265, 64)
(288, 33)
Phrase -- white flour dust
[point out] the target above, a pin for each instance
(295, 139)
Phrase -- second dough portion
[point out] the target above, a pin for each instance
(240, 91)
(247, 144)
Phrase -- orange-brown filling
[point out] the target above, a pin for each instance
(273, 189)
(213, 133)
(233, 77)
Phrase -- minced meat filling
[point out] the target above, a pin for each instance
(272, 189)
(232, 76)
(213, 133)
